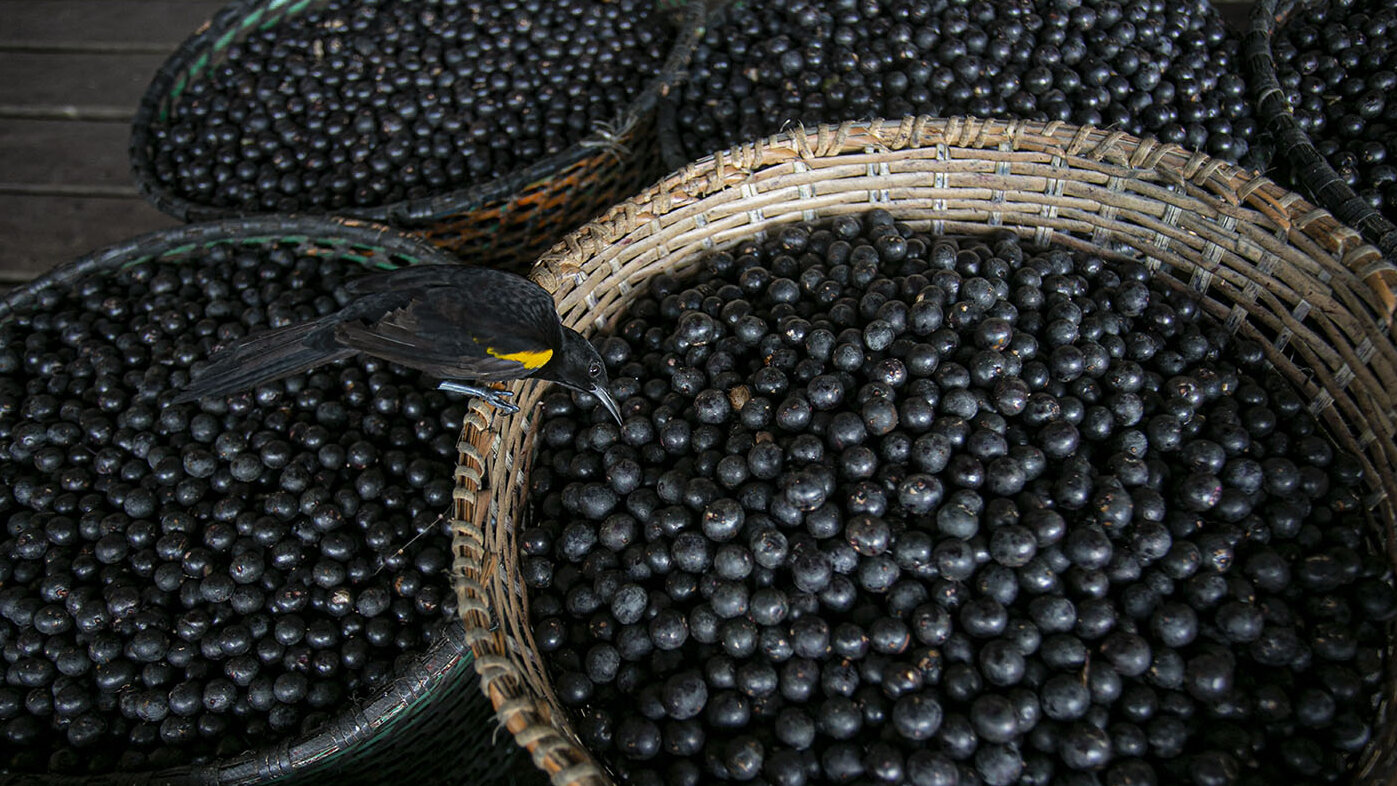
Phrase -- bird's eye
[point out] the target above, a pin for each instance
(594, 370)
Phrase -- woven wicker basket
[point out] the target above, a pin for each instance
(506, 222)
(1309, 169)
(1265, 262)
(430, 722)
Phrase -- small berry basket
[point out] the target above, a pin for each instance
(505, 221)
(1269, 266)
(425, 719)
(1307, 166)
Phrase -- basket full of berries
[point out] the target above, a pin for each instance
(490, 129)
(244, 589)
(951, 450)
(1171, 71)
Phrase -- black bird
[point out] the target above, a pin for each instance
(460, 323)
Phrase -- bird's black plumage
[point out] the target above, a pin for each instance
(455, 322)
(452, 322)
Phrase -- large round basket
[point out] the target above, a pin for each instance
(505, 222)
(1264, 262)
(1310, 170)
(429, 722)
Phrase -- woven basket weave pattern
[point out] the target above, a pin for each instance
(1264, 262)
(430, 721)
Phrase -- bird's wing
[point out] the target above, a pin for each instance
(489, 330)
(410, 277)
(265, 357)
(431, 275)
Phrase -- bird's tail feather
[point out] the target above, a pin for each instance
(266, 357)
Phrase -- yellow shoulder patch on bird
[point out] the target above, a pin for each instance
(528, 358)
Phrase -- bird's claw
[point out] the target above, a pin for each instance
(499, 403)
(493, 397)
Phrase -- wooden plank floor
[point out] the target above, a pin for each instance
(71, 74)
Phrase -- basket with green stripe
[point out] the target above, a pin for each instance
(504, 222)
(428, 720)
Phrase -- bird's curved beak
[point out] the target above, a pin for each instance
(607, 401)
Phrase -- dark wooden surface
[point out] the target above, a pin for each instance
(71, 75)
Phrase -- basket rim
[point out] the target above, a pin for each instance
(581, 284)
(337, 230)
(606, 139)
(417, 672)
(416, 676)
(1313, 172)
(1133, 154)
